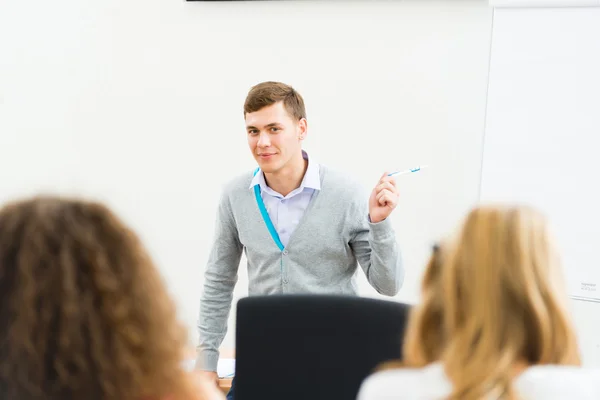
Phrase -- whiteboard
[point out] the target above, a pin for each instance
(542, 135)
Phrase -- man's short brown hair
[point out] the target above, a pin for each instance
(267, 93)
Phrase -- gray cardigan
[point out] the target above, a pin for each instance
(321, 255)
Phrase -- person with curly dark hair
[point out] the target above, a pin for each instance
(84, 313)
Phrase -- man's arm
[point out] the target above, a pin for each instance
(220, 278)
(378, 253)
(374, 242)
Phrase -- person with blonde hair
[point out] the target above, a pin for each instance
(493, 322)
(84, 313)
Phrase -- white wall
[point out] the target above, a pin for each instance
(543, 3)
(139, 103)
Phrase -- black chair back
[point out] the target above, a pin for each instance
(310, 347)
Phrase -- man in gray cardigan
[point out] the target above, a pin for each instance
(302, 226)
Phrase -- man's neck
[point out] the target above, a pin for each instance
(289, 178)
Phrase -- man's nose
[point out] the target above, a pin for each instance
(263, 140)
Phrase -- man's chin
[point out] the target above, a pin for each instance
(267, 167)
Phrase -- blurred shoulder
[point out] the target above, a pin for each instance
(406, 383)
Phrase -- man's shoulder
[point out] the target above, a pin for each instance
(341, 183)
(236, 187)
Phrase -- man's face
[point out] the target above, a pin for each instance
(274, 137)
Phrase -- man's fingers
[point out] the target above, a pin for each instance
(387, 198)
(381, 197)
(385, 178)
(385, 185)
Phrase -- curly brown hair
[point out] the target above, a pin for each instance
(84, 313)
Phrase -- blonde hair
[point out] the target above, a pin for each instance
(493, 297)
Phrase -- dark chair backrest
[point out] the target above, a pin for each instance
(313, 347)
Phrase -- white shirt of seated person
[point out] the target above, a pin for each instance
(545, 382)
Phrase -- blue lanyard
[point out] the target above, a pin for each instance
(265, 214)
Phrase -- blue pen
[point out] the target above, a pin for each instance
(408, 171)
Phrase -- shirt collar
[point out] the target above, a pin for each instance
(311, 180)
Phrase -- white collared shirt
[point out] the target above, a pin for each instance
(286, 211)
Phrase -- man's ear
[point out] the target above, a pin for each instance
(302, 128)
